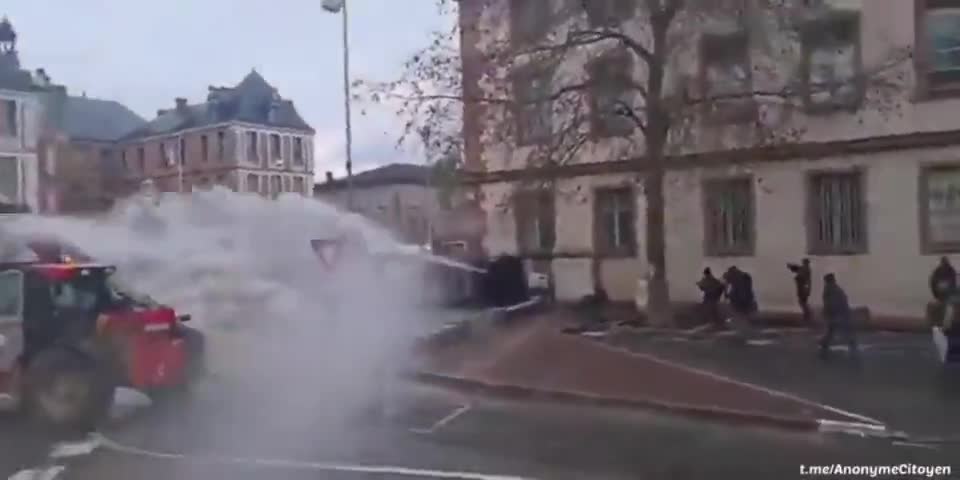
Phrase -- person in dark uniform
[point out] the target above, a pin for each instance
(740, 296)
(803, 278)
(943, 280)
(712, 289)
(836, 313)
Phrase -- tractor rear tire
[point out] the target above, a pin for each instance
(68, 390)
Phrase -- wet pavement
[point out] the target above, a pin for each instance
(898, 381)
(432, 433)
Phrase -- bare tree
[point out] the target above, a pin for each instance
(640, 81)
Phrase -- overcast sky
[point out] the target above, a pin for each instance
(146, 53)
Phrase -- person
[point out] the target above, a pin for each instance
(836, 313)
(803, 278)
(743, 303)
(712, 290)
(943, 280)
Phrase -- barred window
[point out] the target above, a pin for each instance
(838, 214)
(614, 222)
(534, 214)
(729, 223)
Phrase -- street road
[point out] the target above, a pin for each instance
(436, 434)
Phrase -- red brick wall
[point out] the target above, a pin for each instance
(195, 167)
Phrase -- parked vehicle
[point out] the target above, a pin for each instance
(69, 335)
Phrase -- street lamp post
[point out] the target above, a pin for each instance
(340, 6)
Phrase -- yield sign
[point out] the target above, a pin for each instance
(328, 250)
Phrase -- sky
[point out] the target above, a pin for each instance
(144, 54)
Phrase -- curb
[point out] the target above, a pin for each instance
(740, 417)
(479, 321)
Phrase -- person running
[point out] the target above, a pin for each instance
(712, 289)
(837, 314)
(803, 278)
(743, 302)
(943, 280)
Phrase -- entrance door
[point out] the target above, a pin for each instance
(11, 314)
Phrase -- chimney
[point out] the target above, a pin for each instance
(329, 177)
(42, 78)
(161, 112)
(181, 104)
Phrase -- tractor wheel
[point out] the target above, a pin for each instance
(68, 390)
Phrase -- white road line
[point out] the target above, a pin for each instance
(759, 388)
(443, 421)
(49, 473)
(299, 465)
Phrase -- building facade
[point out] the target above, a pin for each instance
(246, 138)
(397, 196)
(21, 111)
(867, 187)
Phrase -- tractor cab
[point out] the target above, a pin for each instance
(69, 335)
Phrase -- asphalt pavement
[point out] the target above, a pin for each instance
(432, 433)
(898, 379)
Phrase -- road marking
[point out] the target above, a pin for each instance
(916, 445)
(75, 449)
(753, 386)
(299, 465)
(49, 473)
(443, 421)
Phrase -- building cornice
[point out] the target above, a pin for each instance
(774, 153)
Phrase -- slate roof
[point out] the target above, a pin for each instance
(392, 174)
(253, 100)
(93, 119)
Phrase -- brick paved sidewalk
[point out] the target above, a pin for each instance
(537, 357)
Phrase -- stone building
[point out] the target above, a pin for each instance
(21, 112)
(397, 196)
(868, 190)
(246, 138)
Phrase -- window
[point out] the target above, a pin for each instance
(252, 149)
(535, 217)
(164, 155)
(9, 120)
(298, 185)
(529, 20)
(287, 184)
(727, 83)
(277, 185)
(837, 214)
(221, 145)
(204, 148)
(831, 61)
(609, 13)
(263, 149)
(286, 149)
(939, 44)
(265, 187)
(940, 209)
(123, 160)
(9, 180)
(610, 95)
(615, 222)
(253, 183)
(275, 152)
(298, 150)
(182, 143)
(142, 158)
(728, 217)
(11, 293)
(534, 108)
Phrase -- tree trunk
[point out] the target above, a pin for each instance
(658, 299)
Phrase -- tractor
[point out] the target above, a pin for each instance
(70, 335)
